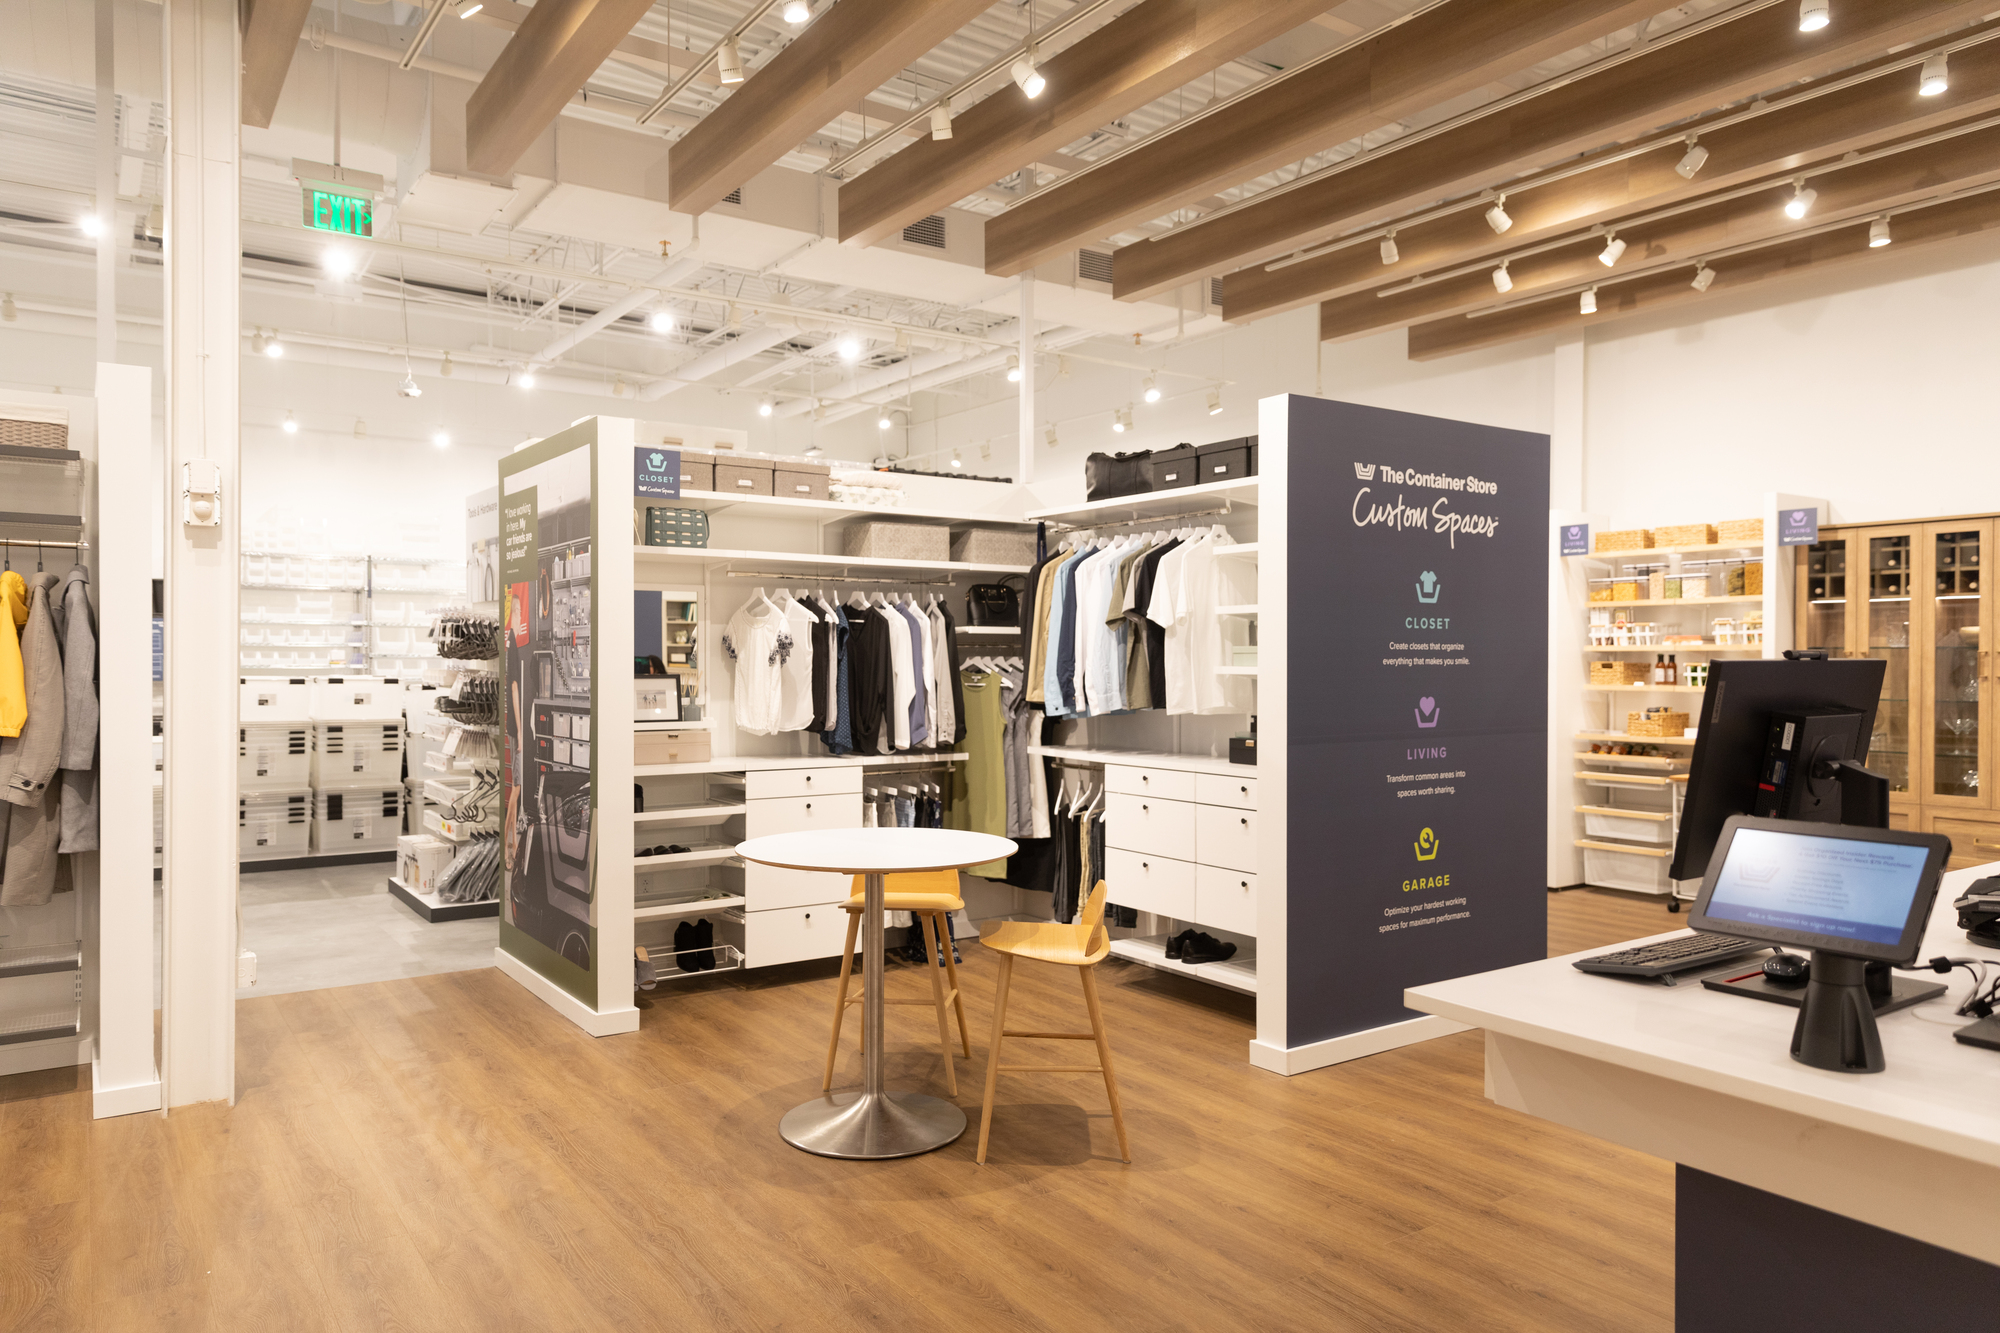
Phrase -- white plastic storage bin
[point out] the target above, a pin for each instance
(357, 819)
(1629, 826)
(1639, 869)
(273, 824)
(274, 700)
(274, 755)
(361, 698)
(346, 753)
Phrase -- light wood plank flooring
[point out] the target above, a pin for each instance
(443, 1153)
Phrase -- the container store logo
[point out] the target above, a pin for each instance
(1364, 472)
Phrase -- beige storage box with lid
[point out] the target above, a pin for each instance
(743, 476)
(993, 548)
(670, 747)
(697, 469)
(897, 541)
(795, 480)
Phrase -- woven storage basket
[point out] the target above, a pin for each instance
(1685, 534)
(1740, 530)
(1620, 673)
(898, 541)
(1662, 724)
(1631, 539)
(33, 434)
(988, 546)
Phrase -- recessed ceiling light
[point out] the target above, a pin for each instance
(1936, 77)
(442, 439)
(291, 426)
(1801, 201)
(1693, 161)
(1496, 216)
(848, 346)
(1390, 254)
(1152, 394)
(661, 321)
(1814, 14)
(1503, 281)
(729, 62)
(1878, 233)
(1027, 76)
(1614, 250)
(764, 407)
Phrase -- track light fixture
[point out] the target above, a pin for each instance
(1013, 370)
(1496, 216)
(882, 422)
(848, 347)
(1936, 76)
(1704, 278)
(1878, 233)
(661, 321)
(1027, 76)
(1695, 159)
(1390, 254)
(7, 311)
(1614, 250)
(527, 379)
(941, 119)
(1801, 201)
(256, 339)
(1503, 281)
(1120, 421)
(291, 424)
(442, 439)
(1814, 14)
(764, 407)
(1152, 389)
(408, 388)
(338, 263)
(956, 462)
(814, 451)
(444, 367)
(1050, 436)
(1215, 402)
(1588, 305)
(273, 348)
(91, 225)
(797, 12)
(729, 62)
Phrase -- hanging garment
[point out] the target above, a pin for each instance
(795, 708)
(1207, 580)
(944, 729)
(840, 736)
(1035, 622)
(13, 685)
(897, 627)
(822, 666)
(929, 673)
(956, 686)
(920, 670)
(982, 777)
(28, 761)
(78, 762)
(1062, 626)
(871, 678)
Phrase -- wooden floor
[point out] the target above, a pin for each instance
(444, 1153)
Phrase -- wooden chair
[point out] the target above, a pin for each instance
(1081, 946)
(929, 895)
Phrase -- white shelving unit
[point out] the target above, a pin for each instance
(279, 636)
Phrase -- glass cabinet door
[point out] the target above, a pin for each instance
(1958, 723)
(1891, 574)
(1824, 619)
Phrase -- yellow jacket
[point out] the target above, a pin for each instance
(13, 685)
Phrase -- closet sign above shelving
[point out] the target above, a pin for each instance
(656, 472)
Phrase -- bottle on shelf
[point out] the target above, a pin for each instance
(1659, 669)
(1673, 669)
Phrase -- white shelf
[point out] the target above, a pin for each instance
(714, 555)
(1647, 689)
(1180, 763)
(1620, 738)
(1682, 601)
(990, 631)
(714, 812)
(752, 764)
(826, 511)
(1671, 648)
(661, 724)
(707, 855)
(1237, 974)
(1152, 504)
(1247, 609)
(1240, 550)
(659, 911)
(1236, 671)
(1649, 552)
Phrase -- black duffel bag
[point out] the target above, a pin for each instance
(1108, 476)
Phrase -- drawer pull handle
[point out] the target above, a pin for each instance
(1145, 865)
(1147, 808)
(1244, 790)
(1244, 822)
(1979, 843)
(1242, 883)
(809, 805)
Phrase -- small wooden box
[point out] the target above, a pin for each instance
(1662, 724)
(1685, 534)
(670, 747)
(1630, 539)
(1620, 673)
(1740, 530)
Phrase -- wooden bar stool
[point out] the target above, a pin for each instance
(1081, 946)
(929, 895)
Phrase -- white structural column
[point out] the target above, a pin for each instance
(203, 77)
(123, 1075)
(1027, 354)
(109, 242)
(1568, 600)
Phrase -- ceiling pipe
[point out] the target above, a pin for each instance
(749, 344)
(689, 263)
(1053, 340)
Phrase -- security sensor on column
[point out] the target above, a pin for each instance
(201, 493)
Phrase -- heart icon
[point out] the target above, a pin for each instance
(1427, 712)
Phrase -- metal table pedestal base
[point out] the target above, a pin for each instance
(866, 1126)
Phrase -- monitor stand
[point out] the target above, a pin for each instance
(1836, 1027)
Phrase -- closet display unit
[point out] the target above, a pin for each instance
(1647, 611)
(1914, 595)
(626, 798)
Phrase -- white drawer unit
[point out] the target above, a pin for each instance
(1149, 883)
(793, 934)
(1225, 899)
(1164, 783)
(802, 814)
(768, 886)
(1149, 824)
(769, 783)
(1215, 789)
(1226, 837)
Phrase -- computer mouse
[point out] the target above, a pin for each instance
(1787, 969)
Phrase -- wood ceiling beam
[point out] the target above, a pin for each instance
(1862, 191)
(1816, 255)
(558, 46)
(1737, 59)
(1143, 54)
(270, 35)
(848, 52)
(1812, 128)
(1450, 51)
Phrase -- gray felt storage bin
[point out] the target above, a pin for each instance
(743, 476)
(697, 470)
(898, 541)
(801, 481)
(993, 548)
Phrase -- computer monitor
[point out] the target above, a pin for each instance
(1851, 895)
(1831, 705)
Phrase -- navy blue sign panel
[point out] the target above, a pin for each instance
(657, 472)
(1576, 539)
(1418, 612)
(1798, 527)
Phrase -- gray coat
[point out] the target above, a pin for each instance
(76, 622)
(28, 762)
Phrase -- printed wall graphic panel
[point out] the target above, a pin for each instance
(549, 911)
(1417, 612)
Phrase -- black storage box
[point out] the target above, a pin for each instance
(1243, 749)
(1227, 461)
(1176, 467)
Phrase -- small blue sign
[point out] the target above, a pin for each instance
(1576, 539)
(656, 472)
(1798, 527)
(159, 648)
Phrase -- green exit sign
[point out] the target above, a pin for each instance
(326, 211)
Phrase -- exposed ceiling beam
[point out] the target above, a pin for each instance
(1143, 54)
(1832, 251)
(1862, 190)
(1806, 125)
(270, 35)
(558, 46)
(749, 343)
(686, 265)
(850, 50)
(1667, 80)
(1441, 53)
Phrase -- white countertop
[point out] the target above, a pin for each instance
(1180, 763)
(882, 851)
(1936, 1095)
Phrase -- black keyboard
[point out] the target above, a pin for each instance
(1666, 957)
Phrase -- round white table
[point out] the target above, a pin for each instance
(874, 1123)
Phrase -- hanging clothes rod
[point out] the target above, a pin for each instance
(1158, 520)
(65, 546)
(827, 576)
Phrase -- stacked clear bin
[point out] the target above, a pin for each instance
(356, 764)
(273, 771)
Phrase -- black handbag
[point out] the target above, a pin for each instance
(994, 603)
(1108, 476)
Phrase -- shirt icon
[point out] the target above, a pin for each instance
(1428, 587)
